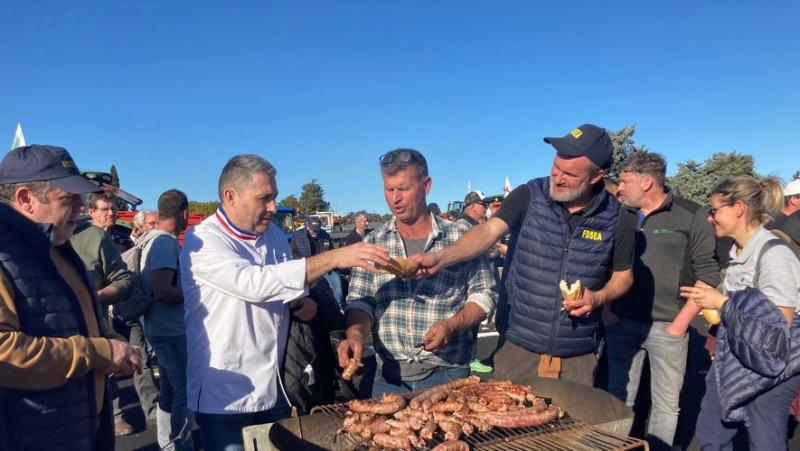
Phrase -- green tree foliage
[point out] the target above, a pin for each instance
(624, 146)
(121, 204)
(290, 201)
(312, 198)
(203, 207)
(695, 180)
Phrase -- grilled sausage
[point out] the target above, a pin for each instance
(389, 404)
(452, 445)
(416, 403)
(452, 430)
(523, 418)
(391, 441)
(350, 369)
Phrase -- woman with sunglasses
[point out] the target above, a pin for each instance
(755, 374)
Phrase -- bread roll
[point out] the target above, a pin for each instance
(571, 292)
(711, 315)
(401, 267)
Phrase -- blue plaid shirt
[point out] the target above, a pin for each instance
(402, 311)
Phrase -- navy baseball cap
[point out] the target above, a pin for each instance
(314, 223)
(40, 163)
(588, 141)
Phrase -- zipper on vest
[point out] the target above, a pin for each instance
(556, 308)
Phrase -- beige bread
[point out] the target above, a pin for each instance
(711, 315)
(571, 292)
(401, 267)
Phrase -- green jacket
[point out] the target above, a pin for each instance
(102, 258)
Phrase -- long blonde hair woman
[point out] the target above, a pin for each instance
(738, 208)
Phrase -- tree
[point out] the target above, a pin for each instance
(209, 208)
(290, 201)
(796, 175)
(624, 146)
(121, 204)
(695, 180)
(312, 198)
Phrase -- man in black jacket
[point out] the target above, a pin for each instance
(675, 246)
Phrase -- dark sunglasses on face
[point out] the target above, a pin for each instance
(713, 211)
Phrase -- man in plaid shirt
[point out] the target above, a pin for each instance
(421, 328)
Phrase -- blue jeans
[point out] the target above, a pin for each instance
(383, 385)
(628, 343)
(767, 418)
(171, 352)
(223, 432)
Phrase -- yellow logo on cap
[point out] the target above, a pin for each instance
(591, 235)
(68, 164)
(576, 133)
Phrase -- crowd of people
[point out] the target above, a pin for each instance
(239, 317)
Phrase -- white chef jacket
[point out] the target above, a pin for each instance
(235, 288)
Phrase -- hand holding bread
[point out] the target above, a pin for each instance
(401, 267)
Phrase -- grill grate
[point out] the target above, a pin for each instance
(564, 434)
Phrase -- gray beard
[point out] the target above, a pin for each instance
(571, 195)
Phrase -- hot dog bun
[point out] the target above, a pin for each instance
(401, 267)
(570, 293)
(711, 315)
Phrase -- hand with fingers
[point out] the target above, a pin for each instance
(125, 358)
(429, 264)
(704, 295)
(362, 255)
(438, 336)
(351, 347)
(304, 309)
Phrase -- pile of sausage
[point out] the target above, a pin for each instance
(457, 409)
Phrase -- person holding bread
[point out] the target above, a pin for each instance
(421, 329)
(563, 227)
(675, 246)
(755, 373)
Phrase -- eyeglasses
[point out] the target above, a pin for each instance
(402, 156)
(713, 211)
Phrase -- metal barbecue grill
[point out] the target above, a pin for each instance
(565, 434)
(582, 405)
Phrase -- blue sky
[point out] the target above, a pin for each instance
(168, 91)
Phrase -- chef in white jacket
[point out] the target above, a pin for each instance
(240, 285)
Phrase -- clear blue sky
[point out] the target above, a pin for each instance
(168, 91)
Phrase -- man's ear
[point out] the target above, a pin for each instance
(647, 183)
(229, 196)
(597, 176)
(23, 197)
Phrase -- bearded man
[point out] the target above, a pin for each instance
(563, 227)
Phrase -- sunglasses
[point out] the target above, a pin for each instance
(402, 156)
(713, 211)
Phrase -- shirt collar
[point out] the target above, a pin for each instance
(231, 228)
(436, 231)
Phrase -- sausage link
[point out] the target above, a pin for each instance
(452, 445)
(524, 419)
(389, 404)
(350, 369)
(391, 441)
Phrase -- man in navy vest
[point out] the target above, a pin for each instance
(563, 227)
(55, 347)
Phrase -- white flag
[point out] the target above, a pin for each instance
(19, 139)
(507, 188)
(469, 187)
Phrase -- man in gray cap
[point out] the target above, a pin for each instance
(563, 227)
(55, 348)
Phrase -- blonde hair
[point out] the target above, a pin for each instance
(764, 197)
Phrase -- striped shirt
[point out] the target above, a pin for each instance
(402, 311)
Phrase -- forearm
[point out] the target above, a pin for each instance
(108, 295)
(619, 284)
(169, 295)
(475, 242)
(320, 264)
(684, 318)
(41, 363)
(467, 318)
(358, 324)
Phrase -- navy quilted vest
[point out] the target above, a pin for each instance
(303, 242)
(544, 254)
(63, 418)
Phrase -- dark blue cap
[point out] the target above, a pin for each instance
(588, 141)
(314, 223)
(38, 163)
